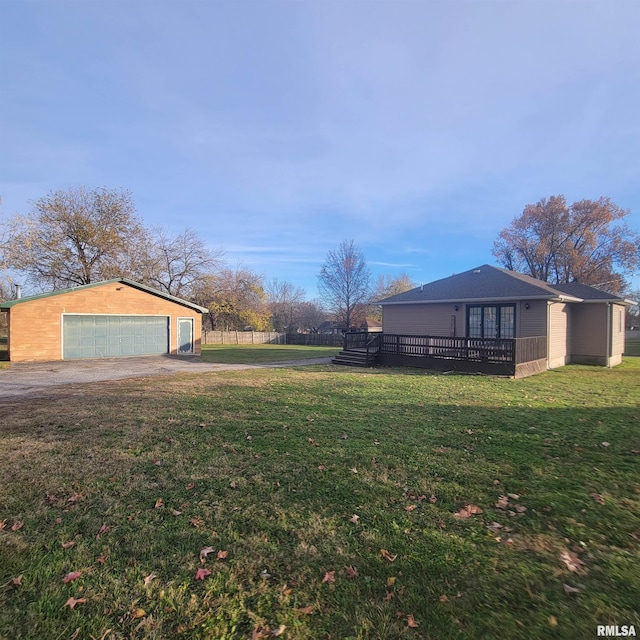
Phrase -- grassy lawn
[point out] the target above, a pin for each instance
(324, 502)
(261, 353)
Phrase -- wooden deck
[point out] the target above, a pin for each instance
(516, 357)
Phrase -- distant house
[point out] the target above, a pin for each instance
(370, 325)
(499, 321)
(332, 328)
(113, 318)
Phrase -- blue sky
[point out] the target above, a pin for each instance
(277, 129)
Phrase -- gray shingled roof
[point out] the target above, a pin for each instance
(492, 283)
(586, 292)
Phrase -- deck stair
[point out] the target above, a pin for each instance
(360, 350)
(353, 358)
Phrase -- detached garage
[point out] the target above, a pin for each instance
(110, 319)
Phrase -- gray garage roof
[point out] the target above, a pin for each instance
(136, 285)
(489, 283)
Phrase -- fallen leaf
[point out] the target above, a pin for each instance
(570, 589)
(201, 573)
(433, 499)
(312, 441)
(520, 508)
(101, 559)
(572, 562)
(17, 581)
(76, 497)
(513, 496)
(391, 580)
(138, 613)
(354, 518)
(70, 577)
(411, 622)
(503, 502)
(222, 555)
(444, 598)
(17, 525)
(597, 497)
(353, 470)
(351, 571)
(321, 467)
(344, 436)
(468, 511)
(306, 610)
(553, 621)
(149, 578)
(391, 557)
(159, 503)
(330, 576)
(279, 631)
(68, 545)
(605, 444)
(175, 512)
(205, 552)
(105, 528)
(196, 522)
(190, 486)
(410, 507)
(494, 526)
(3, 524)
(72, 602)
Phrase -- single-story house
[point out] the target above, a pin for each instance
(370, 325)
(329, 327)
(104, 319)
(499, 321)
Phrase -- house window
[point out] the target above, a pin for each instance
(491, 321)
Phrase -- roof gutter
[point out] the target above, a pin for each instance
(558, 298)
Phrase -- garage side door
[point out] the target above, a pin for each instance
(107, 336)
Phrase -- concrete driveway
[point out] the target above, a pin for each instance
(38, 379)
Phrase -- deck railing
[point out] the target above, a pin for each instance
(498, 351)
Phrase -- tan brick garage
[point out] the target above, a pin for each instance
(107, 319)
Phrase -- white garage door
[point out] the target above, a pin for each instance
(107, 336)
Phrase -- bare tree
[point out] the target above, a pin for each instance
(310, 316)
(284, 300)
(177, 263)
(344, 282)
(76, 237)
(585, 242)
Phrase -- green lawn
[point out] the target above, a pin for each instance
(261, 353)
(324, 502)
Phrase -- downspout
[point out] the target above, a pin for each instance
(609, 334)
(548, 333)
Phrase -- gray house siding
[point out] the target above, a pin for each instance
(618, 313)
(531, 322)
(559, 334)
(589, 341)
(422, 319)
